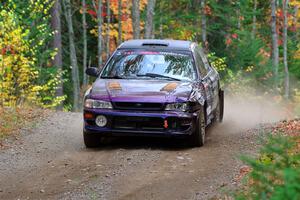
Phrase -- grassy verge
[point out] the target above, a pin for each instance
(13, 119)
(275, 173)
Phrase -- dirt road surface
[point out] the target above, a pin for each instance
(51, 162)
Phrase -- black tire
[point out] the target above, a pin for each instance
(197, 139)
(219, 111)
(91, 140)
(221, 97)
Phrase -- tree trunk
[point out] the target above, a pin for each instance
(73, 56)
(57, 44)
(285, 38)
(254, 19)
(153, 31)
(160, 21)
(136, 18)
(149, 21)
(203, 25)
(108, 29)
(84, 26)
(119, 22)
(99, 19)
(275, 50)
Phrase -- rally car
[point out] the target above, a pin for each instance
(163, 88)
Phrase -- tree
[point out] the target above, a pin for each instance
(98, 8)
(84, 27)
(149, 21)
(203, 24)
(99, 20)
(57, 44)
(26, 73)
(160, 20)
(108, 29)
(119, 22)
(73, 56)
(135, 13)
(254, 19)
(285, 4)
(275, 50)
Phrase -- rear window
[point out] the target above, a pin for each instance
(135, 64)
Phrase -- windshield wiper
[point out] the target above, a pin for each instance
(153, 75)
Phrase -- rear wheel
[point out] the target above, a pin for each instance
(91, 140)
(197, 139)
(218, 114)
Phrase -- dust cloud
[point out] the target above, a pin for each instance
(242, 113)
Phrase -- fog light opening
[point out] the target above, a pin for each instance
(101, 120)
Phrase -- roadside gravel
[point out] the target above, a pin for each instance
(51, 162)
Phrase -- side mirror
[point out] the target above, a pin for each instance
(92, 71)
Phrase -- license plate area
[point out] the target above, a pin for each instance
(138, 123)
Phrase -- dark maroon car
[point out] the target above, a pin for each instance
(164, 88)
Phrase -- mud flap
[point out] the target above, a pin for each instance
(221, 99)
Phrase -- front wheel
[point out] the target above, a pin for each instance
(91, 140)
(197, 139)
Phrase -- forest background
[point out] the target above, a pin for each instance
(46, 45)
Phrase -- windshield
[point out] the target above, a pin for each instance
(154, 64)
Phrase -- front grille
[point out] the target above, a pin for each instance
(137, 106)
(138, 123)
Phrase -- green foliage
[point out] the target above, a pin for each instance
(242, 57)
(178, 19)
(276, 172)
(24, 56)
(218, 63)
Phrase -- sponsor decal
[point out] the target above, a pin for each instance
(114, 86)
(151, 53)
(169, 87)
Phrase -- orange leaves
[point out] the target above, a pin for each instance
(288, 127)
(230, 38)
(127, 30)
(92, 12)
(207, 10)
(295, 3)
(234, 36)
(228, 41)
(12, 120)
(244, 170)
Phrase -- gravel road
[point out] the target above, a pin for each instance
(51, 162)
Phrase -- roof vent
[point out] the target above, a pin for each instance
(155, 44)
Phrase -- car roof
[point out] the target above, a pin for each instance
(160, 44)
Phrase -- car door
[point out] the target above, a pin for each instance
(205, 80)
(213, 76)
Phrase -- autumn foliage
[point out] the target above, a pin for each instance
(275, 174)
(18, 66)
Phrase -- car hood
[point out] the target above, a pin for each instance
(122, 90)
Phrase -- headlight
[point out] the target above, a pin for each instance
(91, 103)
(177, 106)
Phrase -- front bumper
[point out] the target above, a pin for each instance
(141, 123)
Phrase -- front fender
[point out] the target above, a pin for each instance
(197, 95)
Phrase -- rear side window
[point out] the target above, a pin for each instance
(204, 58)
(200, 64)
